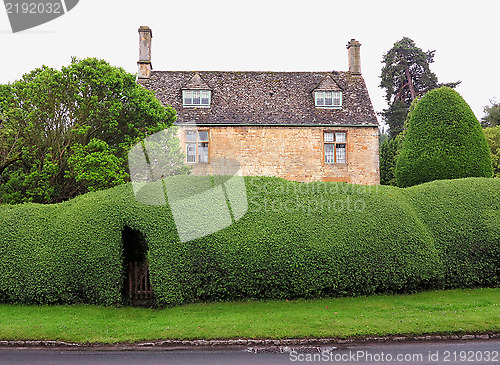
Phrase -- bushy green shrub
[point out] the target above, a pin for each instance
(389, 152)
(296, 240)
(444, 140)
(493, 138)
(387, 159)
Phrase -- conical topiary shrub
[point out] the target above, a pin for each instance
(444, 140)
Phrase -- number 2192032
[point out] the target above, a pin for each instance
(33, 8)
(470, 356)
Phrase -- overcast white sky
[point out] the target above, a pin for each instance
(270, 35)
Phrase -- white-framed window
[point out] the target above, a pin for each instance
(197, 146)
(335, 147)
(328, 99)
(196, 98)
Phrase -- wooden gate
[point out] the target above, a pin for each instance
(138, 279)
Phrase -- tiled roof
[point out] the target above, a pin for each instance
(265, 97)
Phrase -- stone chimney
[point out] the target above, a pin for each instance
(353, 49)
(144, 63)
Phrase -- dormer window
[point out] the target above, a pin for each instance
(200, 98)
(328, 99)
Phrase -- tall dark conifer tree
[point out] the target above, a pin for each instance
(406, 75)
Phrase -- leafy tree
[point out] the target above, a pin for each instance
(387, 159)
(444, 140)
(94, 167)
(394, 116)
(492, 117)
(389, 153)
(493, 138)
(66, 132)
(405, 76)
(10, 137)
(382, 136)
(161, 151)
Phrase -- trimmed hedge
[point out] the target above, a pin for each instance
(444, 140)
(492, 135)
(296, 240)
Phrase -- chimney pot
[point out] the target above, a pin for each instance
(144, 63)
(353, 49)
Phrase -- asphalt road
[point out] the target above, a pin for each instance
(456, 352)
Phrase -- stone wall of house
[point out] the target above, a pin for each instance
(291, 152)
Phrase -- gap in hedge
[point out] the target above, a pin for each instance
(136, 289)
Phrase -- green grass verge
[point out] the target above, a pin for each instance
(453, 311)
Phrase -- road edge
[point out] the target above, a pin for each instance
(243, 343)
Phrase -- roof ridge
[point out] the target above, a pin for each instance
(221, 71)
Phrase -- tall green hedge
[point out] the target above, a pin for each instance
(296, 240)
(444, 140)
(492, 135)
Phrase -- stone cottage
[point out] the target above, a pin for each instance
(303, 126)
